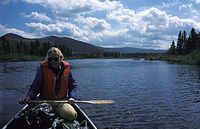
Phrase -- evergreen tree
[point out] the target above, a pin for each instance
(26, 48)
(21, 46)
(6, 46)
(32, 48)
(193, 37)
(188, 45)
(198, 41)
(44, 48)
(37, 47)
(179, 43)
(184, 41)
(172, 49)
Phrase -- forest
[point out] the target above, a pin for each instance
(185, 45)
(38, 48)
(185, 50)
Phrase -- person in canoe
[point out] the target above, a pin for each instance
(54, 81)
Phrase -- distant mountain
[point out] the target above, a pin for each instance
(82, 47)
(14, 36)
(75, 45)
(135, 50)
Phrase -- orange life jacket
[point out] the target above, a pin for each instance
(49, 83)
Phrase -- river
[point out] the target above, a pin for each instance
(148, 94)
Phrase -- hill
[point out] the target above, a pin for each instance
(81, 47)
(14, 36)
(75, 45)
(135, 50)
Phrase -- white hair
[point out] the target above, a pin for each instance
(55, 51)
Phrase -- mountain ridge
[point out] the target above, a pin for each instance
(82, 47)
(135, 50)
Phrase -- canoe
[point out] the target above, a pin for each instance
(82, 118)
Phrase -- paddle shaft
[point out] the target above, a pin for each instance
(76, 101)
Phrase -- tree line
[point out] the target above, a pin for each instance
(185, 45)
(38, 48)
(33, 47)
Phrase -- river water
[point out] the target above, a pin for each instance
(148, 94)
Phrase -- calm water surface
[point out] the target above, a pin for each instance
(149, 94)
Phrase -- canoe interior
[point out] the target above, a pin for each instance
(20, 123)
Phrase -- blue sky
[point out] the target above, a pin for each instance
(151, 24)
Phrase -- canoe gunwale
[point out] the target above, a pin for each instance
(5, 126)
(79, 110)
(86, 117)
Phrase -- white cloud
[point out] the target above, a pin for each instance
(60, 28)
(92, 23)
(185, 6)
(144, 21)
(5, 30)
(197, 1)
(37, 16)
(71, 8)
(122, 15)
(170, 3)
(190, 12)
(152, 25)
(150, 28)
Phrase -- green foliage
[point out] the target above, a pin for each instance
(187, 50)
(16, 50)
(10, 47)
(19, 57)
(179, 48)
(172, 49)
(185, 45)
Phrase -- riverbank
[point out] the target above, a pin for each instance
(19, 57)
(190, 59)
(22, 57)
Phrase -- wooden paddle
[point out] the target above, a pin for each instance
(76, 101)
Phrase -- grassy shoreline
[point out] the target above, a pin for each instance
(189, 59)
(19, 57)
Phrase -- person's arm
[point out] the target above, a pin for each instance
(35, 88)
(72, 89)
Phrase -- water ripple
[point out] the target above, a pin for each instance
(149, 94)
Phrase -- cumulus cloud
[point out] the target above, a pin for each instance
(60, 28)
(149, 28)
(92, 23)
(37, 16)
(71, 8)
(197, 1)
(149, 20)
(189, 11)
(5, 30)
(152, 25)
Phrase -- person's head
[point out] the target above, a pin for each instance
(54, 56)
